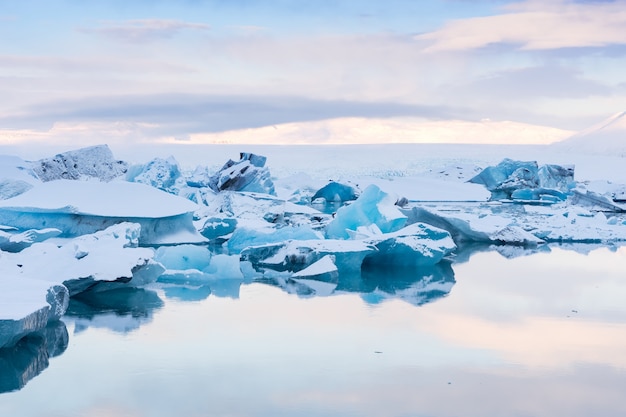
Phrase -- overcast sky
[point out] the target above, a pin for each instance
(184, 67)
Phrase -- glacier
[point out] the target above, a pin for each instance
(95, 241)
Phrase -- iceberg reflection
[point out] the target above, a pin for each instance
(375, 283)
(30, 356)
(122, 310)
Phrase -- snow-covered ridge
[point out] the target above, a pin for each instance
(606, 138)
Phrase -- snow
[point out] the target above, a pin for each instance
(81, 207)
(94, 162)
(607, 137)
(106, 199)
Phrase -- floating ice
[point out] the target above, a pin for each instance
(104, 260)
(509, 177)
(418, 244)
(27, 305)
(216, 227)
(374, 206)
(91, 162)
(336, 192)
(321, 277)
(247, 174)
(244, 237)
(296, 255)
(183, 257)
(160, 173)
(78, 207)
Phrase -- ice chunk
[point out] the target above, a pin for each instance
(296, 255)
(556, 177)
(77, 208)
(374, 206)
(509, 170)
(27, 305)
(82, 263)
(321, 277)
(197, 266)
(216, 227)
(550, 183)
(199, 178)
(160, 173)
(182, 257)
(91, 162)
(244, 237)
(30, 356)
(336, 192)
(417, 244)
(515, 235)
(247, 174)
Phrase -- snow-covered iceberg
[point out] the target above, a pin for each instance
(27, 305)
(104, 260)
(94, 162)
(82, 207)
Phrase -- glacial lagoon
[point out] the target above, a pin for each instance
(498, 332)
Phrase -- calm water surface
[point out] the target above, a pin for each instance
(541, 334)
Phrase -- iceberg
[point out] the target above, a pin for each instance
(247, 174)
(335, 192)
(85, 263)
(79, 207)
(94, 162)
(27, 305)
(521, 224)
(218, 227)
(244, 237)
(160, 173)
(320, 277)
(296, 255)
(549, 183)
(374, 206)
(418, 244)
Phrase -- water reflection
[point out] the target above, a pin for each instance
(30, 356)
(121, 310)
(547, 324)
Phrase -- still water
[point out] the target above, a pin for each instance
(526, 334)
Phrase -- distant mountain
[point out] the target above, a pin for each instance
(391, 130)
(605, 138)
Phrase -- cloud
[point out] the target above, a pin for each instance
(536, 25)
(182, 114)
(144, 30)
(535, 83)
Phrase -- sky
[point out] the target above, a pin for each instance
(147, 70)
